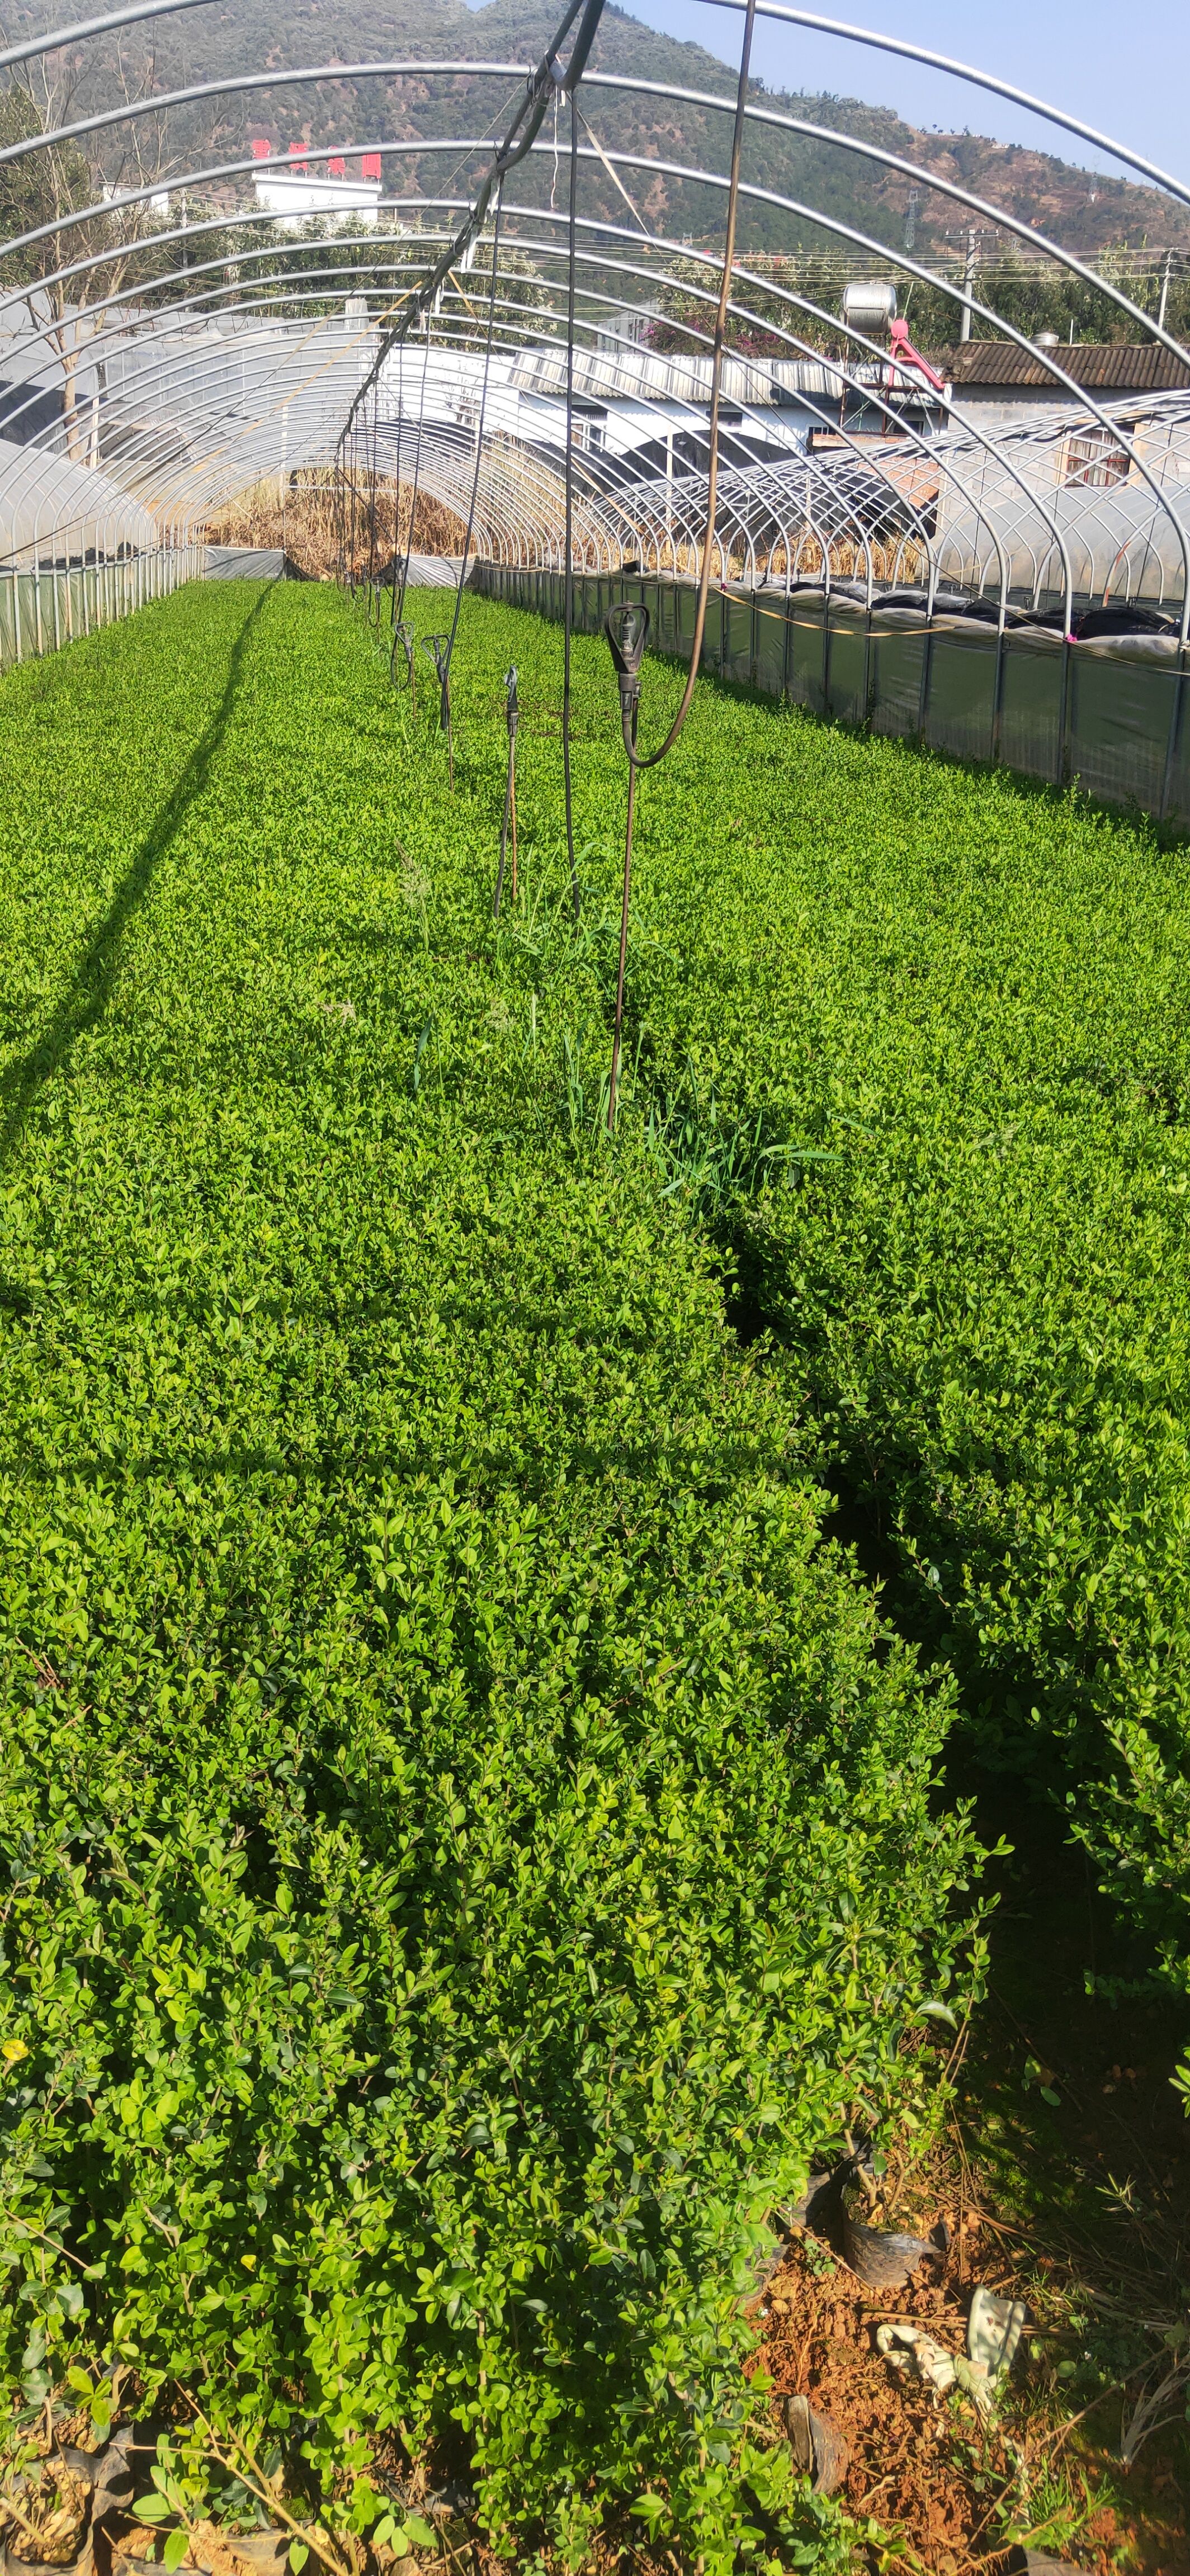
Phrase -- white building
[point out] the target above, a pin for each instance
(293, 200)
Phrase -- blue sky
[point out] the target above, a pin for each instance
(1122, 68)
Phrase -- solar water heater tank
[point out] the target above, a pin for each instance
(869, 305)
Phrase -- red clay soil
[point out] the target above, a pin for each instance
(819, 2341)
(921, 2467)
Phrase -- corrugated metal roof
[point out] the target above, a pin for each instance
(630, 373)
(1102, 366)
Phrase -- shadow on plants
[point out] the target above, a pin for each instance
(91, 988)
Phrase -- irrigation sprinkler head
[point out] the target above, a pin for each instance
(626, 627)
(403, 635)
(511, 702)
(438, 648)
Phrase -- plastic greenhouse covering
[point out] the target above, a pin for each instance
(879, 550)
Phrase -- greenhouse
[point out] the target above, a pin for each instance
(594, 1263)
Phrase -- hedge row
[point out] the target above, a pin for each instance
(467, 1837)
(973, 999)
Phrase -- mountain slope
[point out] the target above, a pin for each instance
(1084, 210)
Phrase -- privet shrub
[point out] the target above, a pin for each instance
(968, 1001)
(467, 1837)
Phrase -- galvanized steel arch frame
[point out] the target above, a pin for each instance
(804, 504)
(177, 309)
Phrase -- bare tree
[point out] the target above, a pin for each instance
(50, 186)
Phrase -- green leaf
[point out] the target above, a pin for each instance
(654, 2512)
(174, 2550)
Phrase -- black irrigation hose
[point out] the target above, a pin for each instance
(627, 629)
(512, 712)
(569, 600)
(519, 138)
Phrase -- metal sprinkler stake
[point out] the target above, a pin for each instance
(405, 637)
(512, 712)
(626, 627)
(438, 648)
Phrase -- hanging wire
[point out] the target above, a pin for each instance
(479, 430)
(392, 610)
(628, 628)
(649, 760)
(519, 137)
(616, 180)
(512, 714)
(405, 637)
(421, 414)
(373, 586)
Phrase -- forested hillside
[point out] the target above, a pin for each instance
(1084, 209)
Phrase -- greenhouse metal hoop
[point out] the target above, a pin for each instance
(755, 498)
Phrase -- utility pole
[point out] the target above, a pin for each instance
(968, 285)
(1165, 277)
